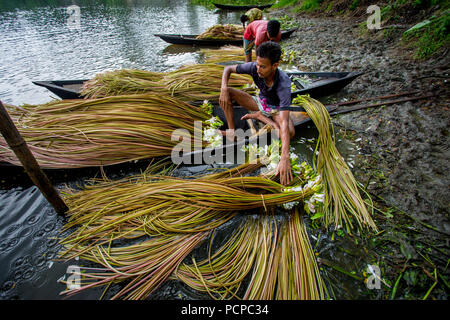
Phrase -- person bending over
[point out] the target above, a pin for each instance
(272, 104)
(251, 15)
(258, 32)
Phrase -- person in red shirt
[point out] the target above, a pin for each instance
(258, 32)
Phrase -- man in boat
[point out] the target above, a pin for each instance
(251, 15)
(272, 104)
(258, 32)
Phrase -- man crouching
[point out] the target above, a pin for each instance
(272, 105)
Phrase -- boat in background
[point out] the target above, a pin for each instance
(241, 7)
(190, 39)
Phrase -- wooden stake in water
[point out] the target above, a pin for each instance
(29, 163)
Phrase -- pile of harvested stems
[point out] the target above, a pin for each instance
(343, 202)
(144, 265)
(106, 131)
(233, 53)
(189, 83)
(298, 273)
(151, 205)
(175, 215)
(273, 258)
(223, 32)
(284, 266)
(225, 54)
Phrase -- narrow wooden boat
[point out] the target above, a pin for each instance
(316, 84)
(190, 39)
(242, 7)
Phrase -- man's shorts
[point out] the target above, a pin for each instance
(266, 111)
(248, 46)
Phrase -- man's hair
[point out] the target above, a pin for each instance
(273, 28)
(270, 50)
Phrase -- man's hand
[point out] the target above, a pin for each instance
(285, 171)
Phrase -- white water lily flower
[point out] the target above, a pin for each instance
(214, 122)
(264, 151)
(274, 157)
(209, 133)
(311, 207)
(213, 137)
(317, 197)
(310, 184)
(290, 205)
(293, 156)
(272, 166)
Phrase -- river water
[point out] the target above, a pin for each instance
(46, 40)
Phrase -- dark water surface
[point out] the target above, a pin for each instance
(39, 41)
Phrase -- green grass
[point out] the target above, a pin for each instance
(285, 3)
(430, 38)
(354, 4)
(310, 5)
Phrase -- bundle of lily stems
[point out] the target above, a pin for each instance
(225, 54)
(174, 216)
(230, 54)
(264, 258)
(130, 115)
(189, 83)
(344, 206)
(223, 32)
(105, 131)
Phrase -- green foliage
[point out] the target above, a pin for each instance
(329, 7)
(354, 4)
(430, 38)
(310, 5)
(287, 22)
(285, 3)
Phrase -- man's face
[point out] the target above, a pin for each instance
(264, 67)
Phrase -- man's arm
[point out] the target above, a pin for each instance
(224, 98)
(284, 167)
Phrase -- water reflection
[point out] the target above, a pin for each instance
(37, 43)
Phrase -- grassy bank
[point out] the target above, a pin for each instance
(420, 25)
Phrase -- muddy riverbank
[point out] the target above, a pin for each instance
(403, 149)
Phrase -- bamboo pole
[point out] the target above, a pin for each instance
(345, 103)
(355, 108)
(29, 163)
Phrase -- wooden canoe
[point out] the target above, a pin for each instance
(190, 39)
(299, 118)
(241, 7)
(320, 84)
